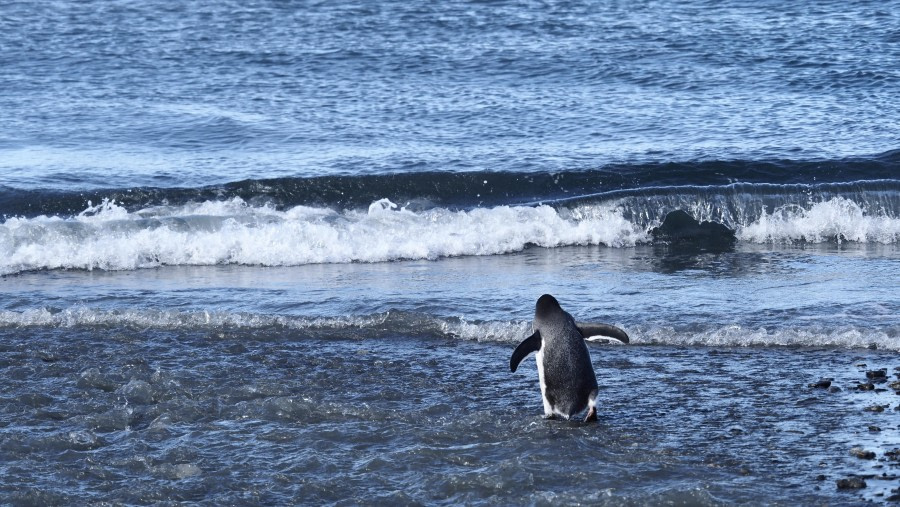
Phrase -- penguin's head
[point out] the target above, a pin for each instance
(546, 305)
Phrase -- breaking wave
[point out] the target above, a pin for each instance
(110, 237)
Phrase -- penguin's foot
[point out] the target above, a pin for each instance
(591, 415)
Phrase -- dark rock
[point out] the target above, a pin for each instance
(820, 477)
(680, 227)
(872, 346)
(868, 386)
(893, 498)
(875, 408)
(882, 373)
(892, 455)
(874, 429)
(861, 453)
(834, 389)
(824, 383)
(851, 483)
(895, 385)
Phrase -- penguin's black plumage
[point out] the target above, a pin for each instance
(568, 382)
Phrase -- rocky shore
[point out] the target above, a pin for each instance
(878, 394)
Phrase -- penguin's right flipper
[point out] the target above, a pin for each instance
(590, 329)
(531, 344)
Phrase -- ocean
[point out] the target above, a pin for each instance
(280, 252)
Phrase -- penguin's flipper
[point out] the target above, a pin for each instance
(531, 344)
(605, 330)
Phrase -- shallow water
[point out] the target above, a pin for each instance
(139, 416)
(389, 382)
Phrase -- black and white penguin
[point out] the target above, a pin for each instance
(568, 383)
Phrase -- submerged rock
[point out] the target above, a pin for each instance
(824, 383)
(138, 391)
(851, 483)
(873, 374)
(868, 386)
(92, 378)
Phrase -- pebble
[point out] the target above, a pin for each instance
(851, 483)
(861, 453)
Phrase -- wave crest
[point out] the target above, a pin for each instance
(108, 236)
(231, 232)
(400, 324)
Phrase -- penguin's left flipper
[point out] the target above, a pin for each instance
(602, 333)
(531, 344)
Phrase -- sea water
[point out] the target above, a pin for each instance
(281, 252)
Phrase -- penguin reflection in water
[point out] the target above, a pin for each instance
(568, 383)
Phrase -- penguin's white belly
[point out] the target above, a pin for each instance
(548, 409)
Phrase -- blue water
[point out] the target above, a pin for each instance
(280, 252)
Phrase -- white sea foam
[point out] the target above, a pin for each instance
(835, 219)
(108, 237)
(739, 336)
(174, 319)
(415, 324)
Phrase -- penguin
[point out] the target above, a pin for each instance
(568, 382)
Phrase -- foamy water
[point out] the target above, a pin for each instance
(107, 236)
